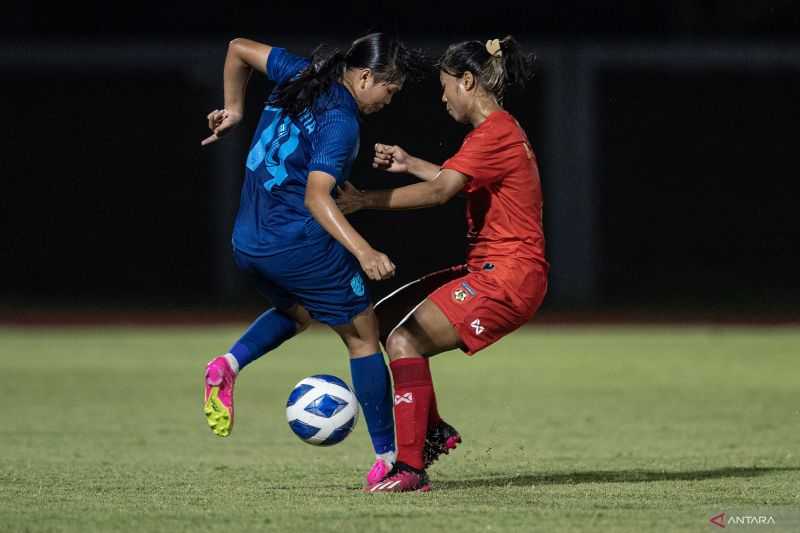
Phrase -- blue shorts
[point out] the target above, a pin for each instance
(323, 277)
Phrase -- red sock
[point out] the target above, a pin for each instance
(433, 414)
(413, 391)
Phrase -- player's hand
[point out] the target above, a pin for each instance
(391, 158)
(220, 122)
(349, 199)
(376, 266)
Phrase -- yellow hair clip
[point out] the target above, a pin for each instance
(493, 47)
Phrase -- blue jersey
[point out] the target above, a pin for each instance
(272, 216)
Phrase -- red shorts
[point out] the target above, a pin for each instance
(487, 304)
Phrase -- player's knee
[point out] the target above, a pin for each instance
(302, 325)
(358, 346)
(299, 315)
(399, 345)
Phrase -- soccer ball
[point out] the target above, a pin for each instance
(321, 410)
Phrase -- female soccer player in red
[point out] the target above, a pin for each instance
(504, 279)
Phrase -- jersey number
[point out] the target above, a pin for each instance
(277, 143)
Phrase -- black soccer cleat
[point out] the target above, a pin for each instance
(439, 440)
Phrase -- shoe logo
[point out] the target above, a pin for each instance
(476, 325)
(405, 398)
(385, 485)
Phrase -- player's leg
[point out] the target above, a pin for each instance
(428, 332)
(326, 279)
(469, 313)
(395, 308)
(265, 334)
(283, 321)
(372, 386)
(425, 333)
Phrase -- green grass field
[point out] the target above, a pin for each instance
(566, 429)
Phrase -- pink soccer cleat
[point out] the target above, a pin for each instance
(402, 478)
(378, 472)
(218, 405)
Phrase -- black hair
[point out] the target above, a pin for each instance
(389, 59)
(510, 66)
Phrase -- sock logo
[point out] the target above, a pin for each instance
(404, 398)
(476, 325)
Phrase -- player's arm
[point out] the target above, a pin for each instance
(242, 58)
(437, 191)
(392, 158)
(319, 202)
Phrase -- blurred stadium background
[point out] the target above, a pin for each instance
(666, 136)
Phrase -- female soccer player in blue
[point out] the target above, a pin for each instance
(306, 257)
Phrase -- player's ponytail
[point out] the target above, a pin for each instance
(497, 64)
(388, 59)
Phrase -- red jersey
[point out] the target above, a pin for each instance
(504, 194)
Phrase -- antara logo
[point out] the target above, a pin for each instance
(405, 398)
(718, 520)
(742, 520)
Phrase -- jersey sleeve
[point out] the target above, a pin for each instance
(281, 65)
(484, 157)
(334, 144)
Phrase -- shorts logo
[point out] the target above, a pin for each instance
(476, 325)
(460, 295)
(357, 284)
(463, 293)
(405, 398)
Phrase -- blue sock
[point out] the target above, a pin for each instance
(374, 392)
(265, 334)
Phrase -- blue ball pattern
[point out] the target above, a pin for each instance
(298, 393)
(321, 410)
(326, 406)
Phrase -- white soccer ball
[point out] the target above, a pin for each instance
(321, 410)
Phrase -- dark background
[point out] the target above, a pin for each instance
(666, 136)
